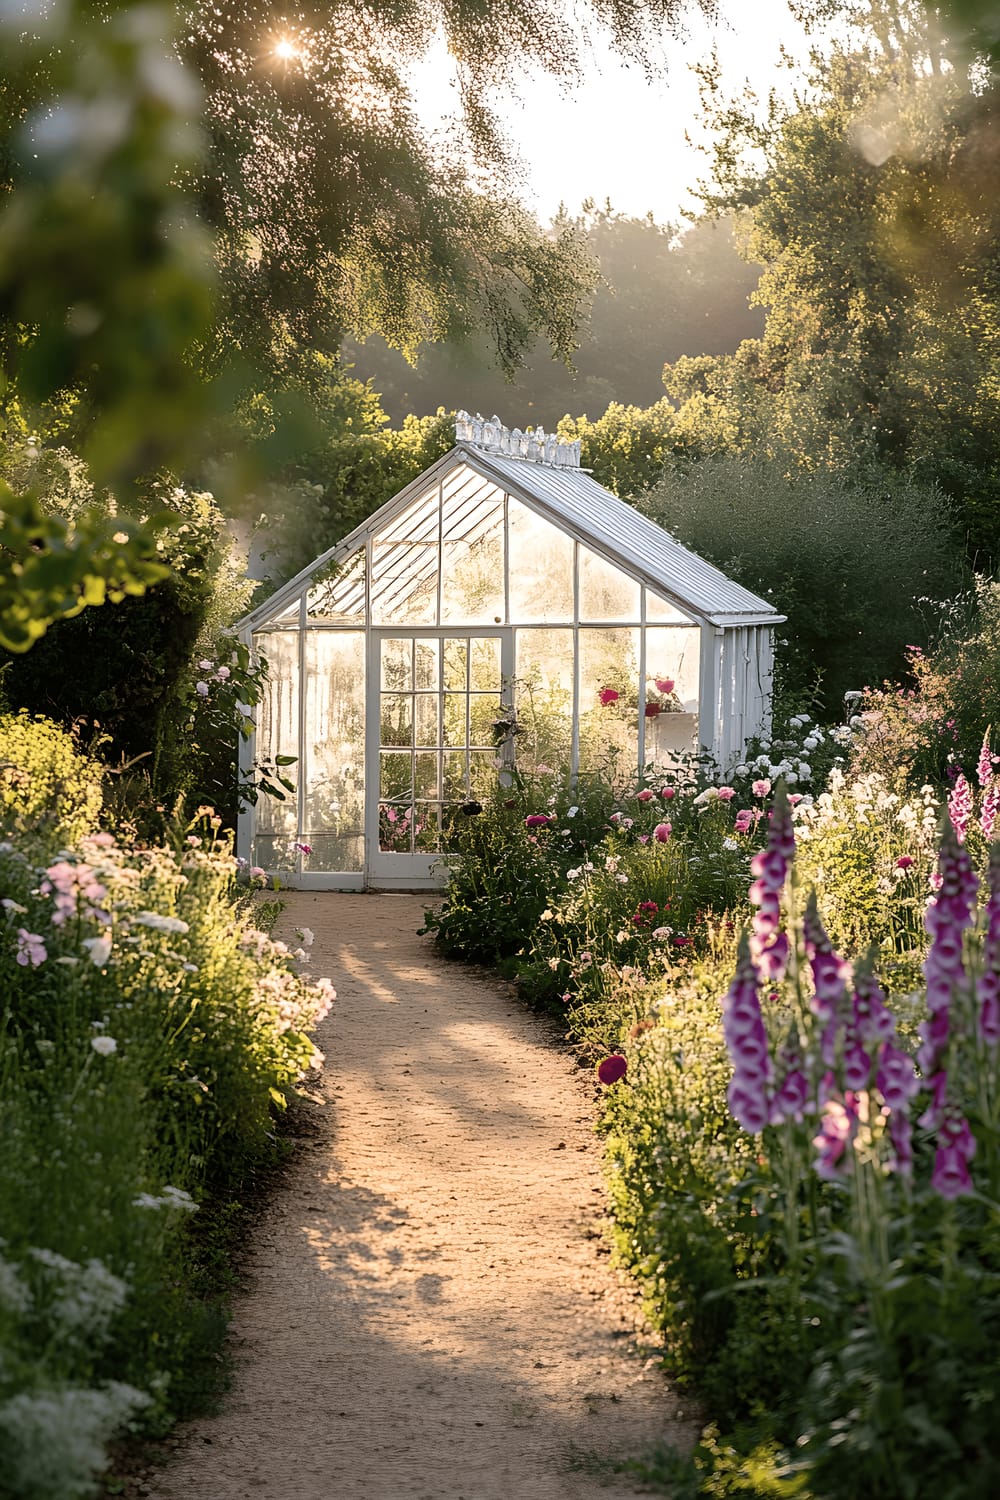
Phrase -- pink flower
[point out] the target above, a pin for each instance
(30, 948)
(662, 832)
(960, 806)
(643, 838)
(201, 688)
(761, 788)
(904, 862)
(664, 684)
(726, 793)
(303, 848)
(644, 796)
(984, 766)
(744, 820)
(840, 1125)
(537, 820)
(612, 1068)
(668, 793)
(608, 695)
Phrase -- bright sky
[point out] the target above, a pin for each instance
(617, 136)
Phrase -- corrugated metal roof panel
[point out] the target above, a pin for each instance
(575, 497)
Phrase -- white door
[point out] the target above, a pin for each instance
(436, 704)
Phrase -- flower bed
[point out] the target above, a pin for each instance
(803, 1159)
(150, 1031)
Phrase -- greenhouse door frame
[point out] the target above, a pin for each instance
(392, 870)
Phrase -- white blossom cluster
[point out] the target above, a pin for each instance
(788, 760)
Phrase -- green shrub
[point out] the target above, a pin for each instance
(50, 793)
(853, 559)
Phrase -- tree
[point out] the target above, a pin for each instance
(662, 293)
(334, 212)
(872, 207)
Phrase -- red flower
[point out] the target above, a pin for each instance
(608, 695)
(652, 710)
(612, 1068)
(664, 684)
(537, 820)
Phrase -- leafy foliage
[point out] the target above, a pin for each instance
(856, 558)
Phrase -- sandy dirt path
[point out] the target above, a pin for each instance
(431, 1314)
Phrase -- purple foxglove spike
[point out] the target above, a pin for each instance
(896, 1078)
(951, 1176)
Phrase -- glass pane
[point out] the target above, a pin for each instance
(335, 749)
(404, 584)
(341, 596)
(290, 615)
(455, 729)
(425, 664)
(405, 565)
(484, 712)
(484, 665)
(472, 580)
(277, 720)
(606, 593)
(455, 664)
(675, 655)
(660, 609)
(454, 785)
(395, 828)
(425, 778)
(397, 719)
(427, 828)
(673, 662)
(543, 688)
(427, 718)
(397, 658)
(541, 567)
(609, 701)
(274, 851)
(395, 776)
(482, 773)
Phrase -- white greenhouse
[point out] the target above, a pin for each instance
(503, 609)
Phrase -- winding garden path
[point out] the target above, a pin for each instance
(430, 1314)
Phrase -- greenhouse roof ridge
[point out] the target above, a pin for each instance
(534, 444)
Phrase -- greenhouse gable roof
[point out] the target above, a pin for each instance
(571, 498)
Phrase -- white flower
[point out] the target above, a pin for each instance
(105, 1045)
(99, 949)
(205, 666)
(13, 906)
(622, 879)
(160, 923)
(546, 916)
(201, 688)
(572, 812)
(307, 936)
(730, 844)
